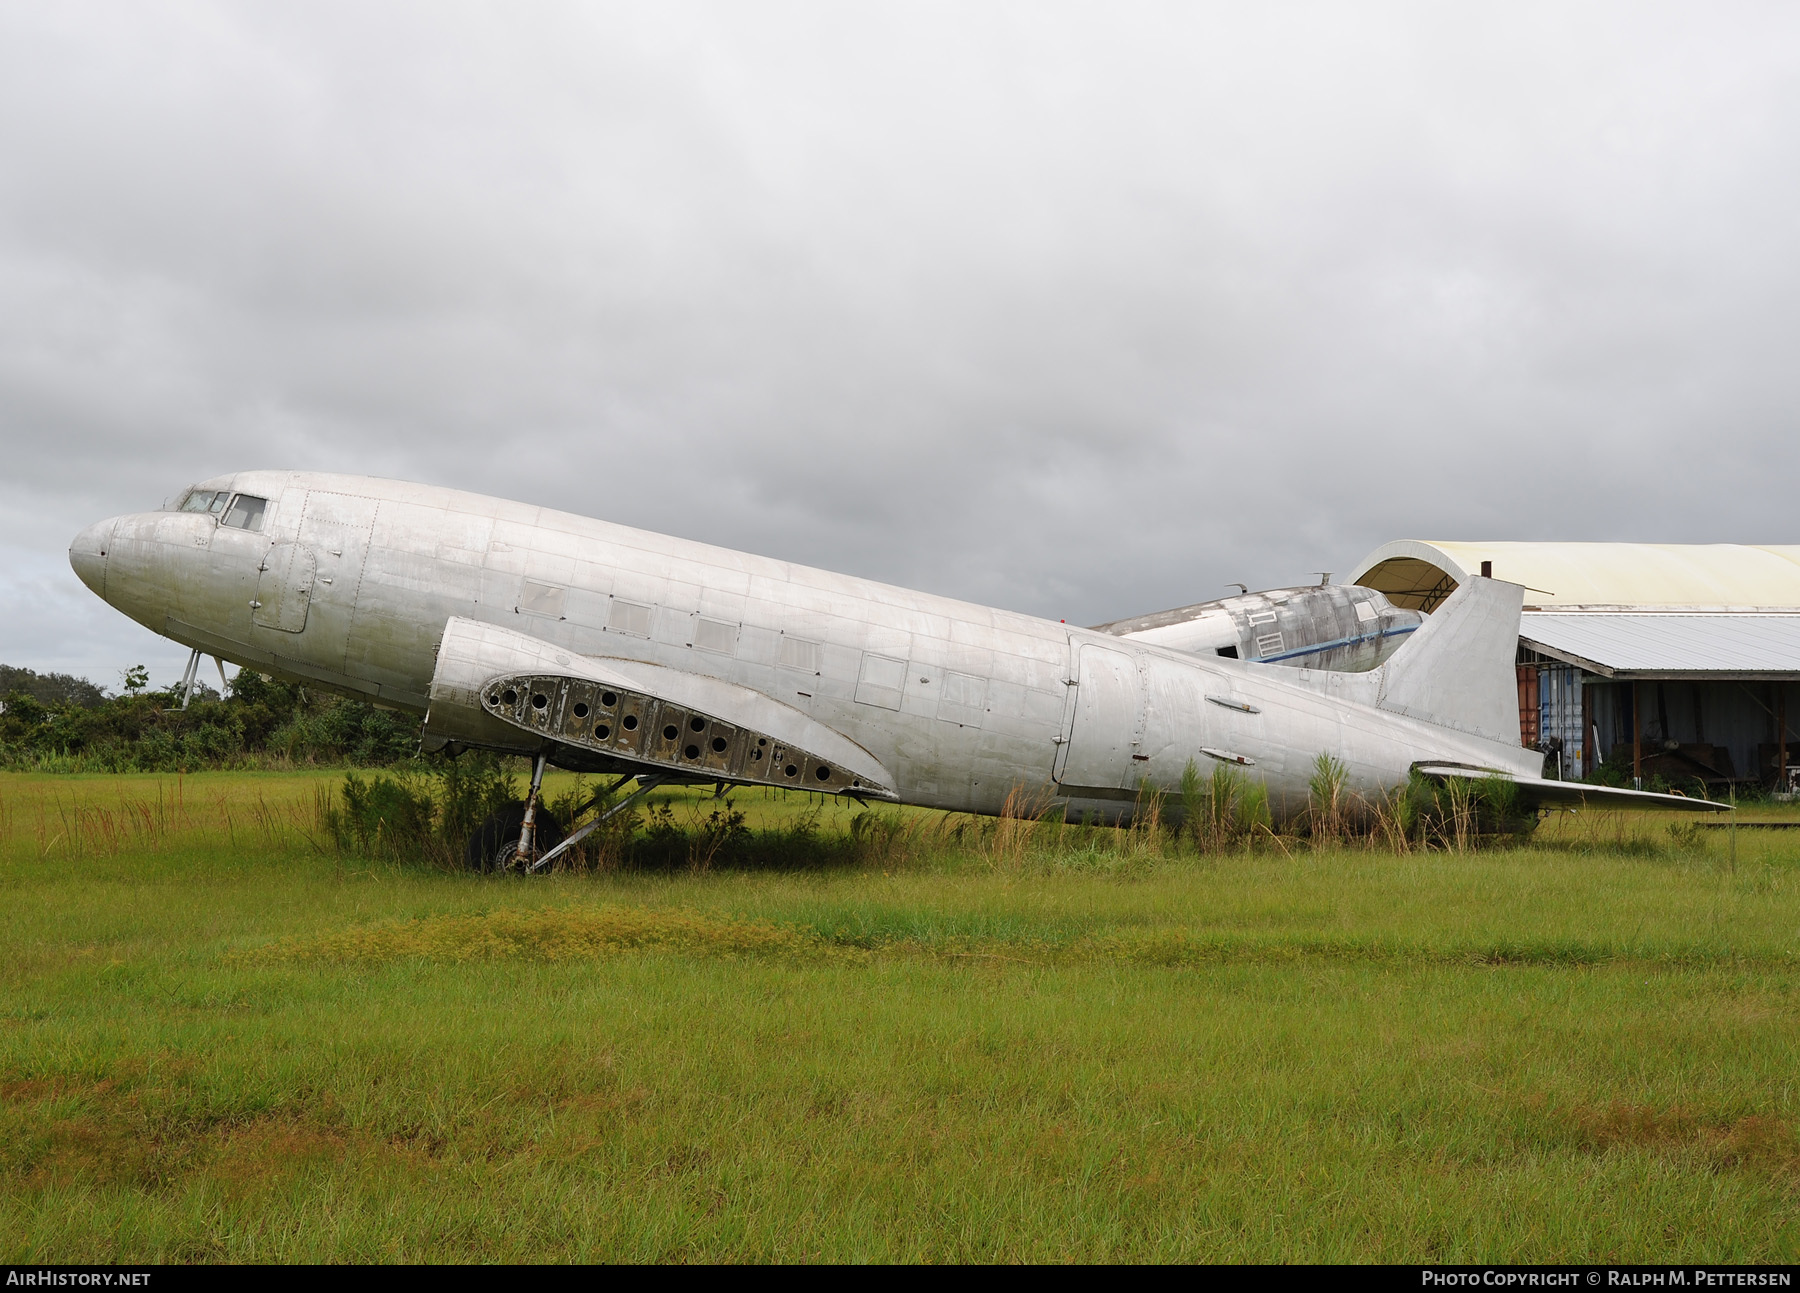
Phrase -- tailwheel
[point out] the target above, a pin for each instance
(495, 844)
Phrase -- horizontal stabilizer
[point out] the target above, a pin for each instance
(1534, 791)
(497, 688)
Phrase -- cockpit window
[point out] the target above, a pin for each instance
(246, 512)
(205, 500)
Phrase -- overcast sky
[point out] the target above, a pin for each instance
(1078, 310)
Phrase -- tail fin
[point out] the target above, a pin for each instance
(1457, 669)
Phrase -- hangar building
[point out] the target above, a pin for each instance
(1680, 658)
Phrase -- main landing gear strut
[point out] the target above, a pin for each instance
(526, 852)
(526, 838)
(645, 786)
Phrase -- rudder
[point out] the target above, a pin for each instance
(1457, 669)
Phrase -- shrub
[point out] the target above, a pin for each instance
(423, 813)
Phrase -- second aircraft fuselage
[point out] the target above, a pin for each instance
(348, 581)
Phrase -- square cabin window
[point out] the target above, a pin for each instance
(246, 512)
(541, 599)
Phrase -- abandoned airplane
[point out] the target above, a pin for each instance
(593, 646)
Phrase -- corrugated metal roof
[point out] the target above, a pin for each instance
(1678, 645)
(1716, 575)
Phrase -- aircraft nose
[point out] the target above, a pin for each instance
(87, 554)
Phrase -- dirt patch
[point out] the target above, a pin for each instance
(605, 1102)
(265, 1149)
(557, 935)
(99, 1150)
(27, 1092)
(1762, 1141)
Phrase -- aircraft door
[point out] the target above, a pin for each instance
(284, 587)
(335, 530)
(1106, 721)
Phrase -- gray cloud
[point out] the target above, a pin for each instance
(1079, 310)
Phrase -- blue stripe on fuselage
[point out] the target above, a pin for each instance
(1332, 646)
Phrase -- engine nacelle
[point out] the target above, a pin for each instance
(1340, 627)
(498, 689)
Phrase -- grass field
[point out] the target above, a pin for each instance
(221, 1040)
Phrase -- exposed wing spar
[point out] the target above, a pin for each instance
(494, 687)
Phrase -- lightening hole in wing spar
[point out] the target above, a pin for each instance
(635, 727)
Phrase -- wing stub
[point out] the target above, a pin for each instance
(640, 728)
(1538, 792)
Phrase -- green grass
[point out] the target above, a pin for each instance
(220, 1041)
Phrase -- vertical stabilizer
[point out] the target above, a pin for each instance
(1458, 669)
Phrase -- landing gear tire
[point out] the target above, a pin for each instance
(495, 844)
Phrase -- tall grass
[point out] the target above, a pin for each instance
(1328, 815)
(1223, 810)
(399, 816)
(61, 824)
(416, 817)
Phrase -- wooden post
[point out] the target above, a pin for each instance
(1590, 751)
(1781, 737)
(1637, 736)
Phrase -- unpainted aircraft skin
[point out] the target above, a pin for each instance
(1329, 626)
(528, 630)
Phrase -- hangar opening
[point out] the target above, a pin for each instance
(1407, 581)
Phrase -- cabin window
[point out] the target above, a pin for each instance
(629, 618)
(246, 512)
(798, 653)
(963, 691)
(541, 599)
(715, 635)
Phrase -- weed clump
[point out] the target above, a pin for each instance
(409, 814)
(1224, 810)
(1328, 809)
(1458, 813)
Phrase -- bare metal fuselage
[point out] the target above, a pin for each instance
(351, 581)
(1341, 628)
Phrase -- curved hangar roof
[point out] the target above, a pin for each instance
(1716, 576)
(1624, 610)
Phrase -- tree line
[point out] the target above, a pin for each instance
(55, 722)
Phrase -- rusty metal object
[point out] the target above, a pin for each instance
(528, 831)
